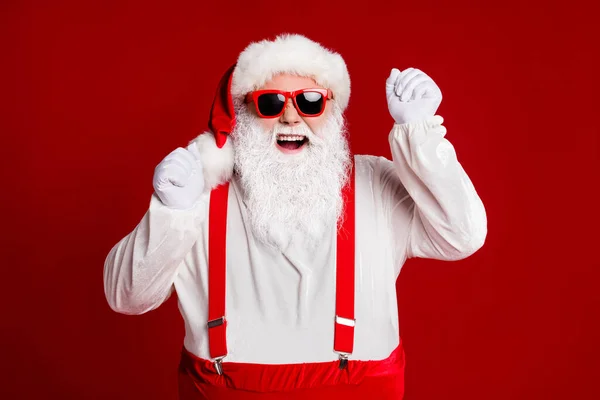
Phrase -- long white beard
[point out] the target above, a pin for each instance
(291, 198)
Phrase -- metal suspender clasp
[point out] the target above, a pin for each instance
(344, 355)
(219, 360)
(218, 366)
(343, 360)
(345, 321)
(216, 322)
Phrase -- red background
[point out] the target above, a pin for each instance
(96, 93)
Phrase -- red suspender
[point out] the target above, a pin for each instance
(217, 262)
(345, 266)
(344, 289)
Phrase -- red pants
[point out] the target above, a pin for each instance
(381, 380)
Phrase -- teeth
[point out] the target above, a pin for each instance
(290, 138)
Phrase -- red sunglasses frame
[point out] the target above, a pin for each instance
(253, 98)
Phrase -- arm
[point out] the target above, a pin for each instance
(431, 193)
(140, 270)
(447, 219)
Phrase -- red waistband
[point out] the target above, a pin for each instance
(285, 377)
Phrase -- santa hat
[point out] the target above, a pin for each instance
(257, 64)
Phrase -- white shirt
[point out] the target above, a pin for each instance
(280, 307)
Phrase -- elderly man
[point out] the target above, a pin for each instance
(282, 246)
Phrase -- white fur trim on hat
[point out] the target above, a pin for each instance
(217, 163)
(293, 54)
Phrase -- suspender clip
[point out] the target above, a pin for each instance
(218, 365)
(343, 360)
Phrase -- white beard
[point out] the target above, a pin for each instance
(291, 198)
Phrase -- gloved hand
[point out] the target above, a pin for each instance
(411, 95)
(178, 179)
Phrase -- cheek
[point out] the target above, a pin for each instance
(267, 123)
(316, 123)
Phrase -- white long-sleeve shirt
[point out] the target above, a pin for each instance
(280, 307)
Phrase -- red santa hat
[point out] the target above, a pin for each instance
(257, 64)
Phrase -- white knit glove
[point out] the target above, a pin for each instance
(411, 95)
(178, 179)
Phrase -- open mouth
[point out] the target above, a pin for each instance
(291, 143)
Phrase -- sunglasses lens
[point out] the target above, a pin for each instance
(270, 104)
(310, 103)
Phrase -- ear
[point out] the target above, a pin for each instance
(217, 163)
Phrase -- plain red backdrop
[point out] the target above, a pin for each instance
(96, 93)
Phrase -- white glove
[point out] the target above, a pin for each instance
(178, 179)
(411, 95)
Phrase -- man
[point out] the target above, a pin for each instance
(282, 246)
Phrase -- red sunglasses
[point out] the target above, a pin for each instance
(271, 103)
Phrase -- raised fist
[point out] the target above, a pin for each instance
(411, 95)
(178, 179)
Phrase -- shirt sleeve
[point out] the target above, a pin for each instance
(434, 209)
(140, 269)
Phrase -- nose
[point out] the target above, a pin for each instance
(290, 115)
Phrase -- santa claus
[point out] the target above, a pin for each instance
(282, 246)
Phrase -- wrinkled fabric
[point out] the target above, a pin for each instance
(280, 305)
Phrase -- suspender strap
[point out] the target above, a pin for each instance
(345, 273)
(344, 291)
(217, 261)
